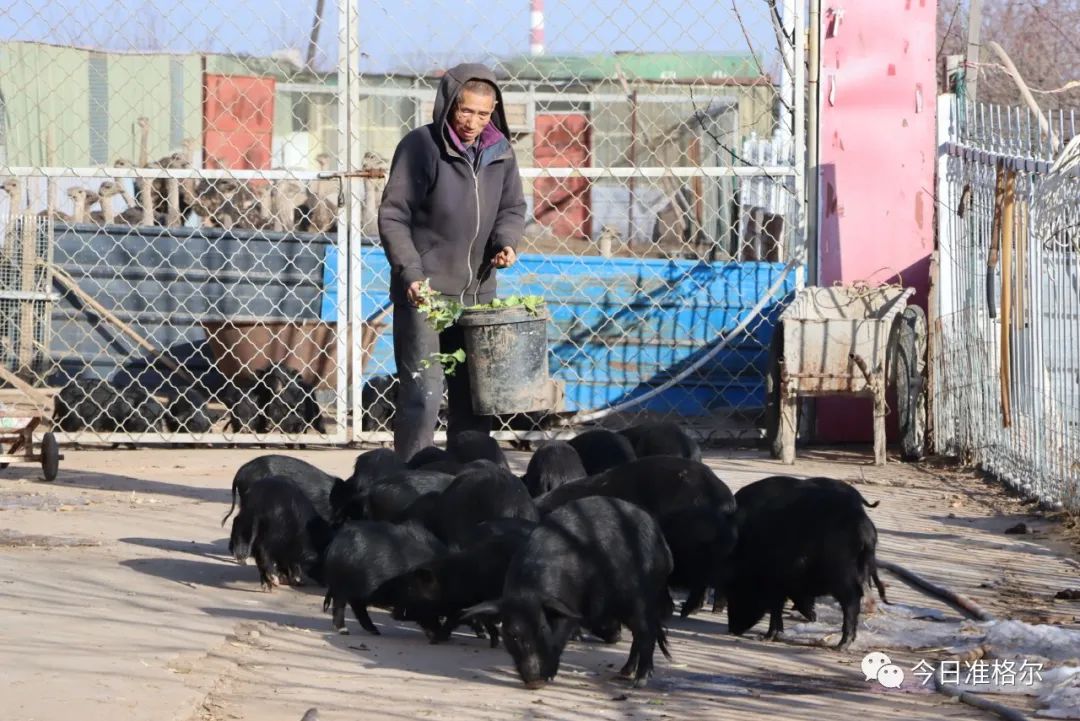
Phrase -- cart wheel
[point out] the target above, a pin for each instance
(908, 368)
(50, 457)
(772, 392)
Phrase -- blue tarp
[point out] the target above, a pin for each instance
(622, 326)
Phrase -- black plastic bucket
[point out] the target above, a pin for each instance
(506, 353)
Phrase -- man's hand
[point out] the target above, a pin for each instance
(504, 258)
(413, 292)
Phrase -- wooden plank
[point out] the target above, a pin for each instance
(69, 283)
(16, 382)
(1008, 208)
(27, 267)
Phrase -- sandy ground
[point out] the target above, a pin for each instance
(118, 601)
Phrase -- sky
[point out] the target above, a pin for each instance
(401, 35)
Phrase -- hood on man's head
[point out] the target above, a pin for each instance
(451, 85)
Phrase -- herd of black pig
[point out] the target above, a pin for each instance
(592, 538)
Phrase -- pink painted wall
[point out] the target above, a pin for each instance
(877, 159)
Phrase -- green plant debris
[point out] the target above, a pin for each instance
(442, 313)
(531, 303)
(449, 361)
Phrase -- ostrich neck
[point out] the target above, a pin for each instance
(107, 214)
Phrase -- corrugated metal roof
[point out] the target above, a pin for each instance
(278, 68)
(634, 66)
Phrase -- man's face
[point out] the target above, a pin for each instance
(472, 113)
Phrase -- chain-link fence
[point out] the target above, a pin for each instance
(190, 250)
(184, 158)
(1005, 358)
(661, 162)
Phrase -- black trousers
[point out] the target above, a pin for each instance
(420, 389)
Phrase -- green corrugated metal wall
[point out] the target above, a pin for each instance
(635, 66)
(92, 101)
(144, 85)
(43, 86)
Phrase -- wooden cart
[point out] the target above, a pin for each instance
(22, 410)
(850, 340)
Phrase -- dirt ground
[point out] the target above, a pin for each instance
(118, 601)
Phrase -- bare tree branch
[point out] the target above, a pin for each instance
(948, 28)
(1041, 36)
(700, 116)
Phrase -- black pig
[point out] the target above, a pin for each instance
(314, 483)
(661, 438)
(601, 449)
(815, 540)
(753, 496)
(589, 562)
(551, 466)
(444, 587)
(280, 527)
(659, 484)
(481, 492)
(362, 557)
(474, 445)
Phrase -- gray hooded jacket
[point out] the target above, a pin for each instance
(440, 217)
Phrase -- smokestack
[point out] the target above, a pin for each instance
(536, 27)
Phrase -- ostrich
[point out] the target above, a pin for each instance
(322, 199)
(145, 185)
(286, 197)
(168, 189)
(83, 199)
(227, 212)
(166, 192)
(246, 205)
(224, 203)
(373, 190)
(200, 198)
(106, 192)
(218, 202)
(188, 186)
(135, 213)
(13, 188)
(263, 210)
(17, 199)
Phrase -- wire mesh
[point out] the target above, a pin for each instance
(661, 170)
(211, 176)
(1006, 357)
(184, 157)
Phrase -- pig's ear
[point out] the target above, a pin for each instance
(487, 608)
(555, 605)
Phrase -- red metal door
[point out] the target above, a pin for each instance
(238, 122)
(562, 204)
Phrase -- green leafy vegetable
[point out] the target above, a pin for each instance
(531, 303)
(449, 361)
(442, 313)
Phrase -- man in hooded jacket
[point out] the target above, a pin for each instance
(452, 212)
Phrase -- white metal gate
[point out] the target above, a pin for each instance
(191, 171)
(1005, 360)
